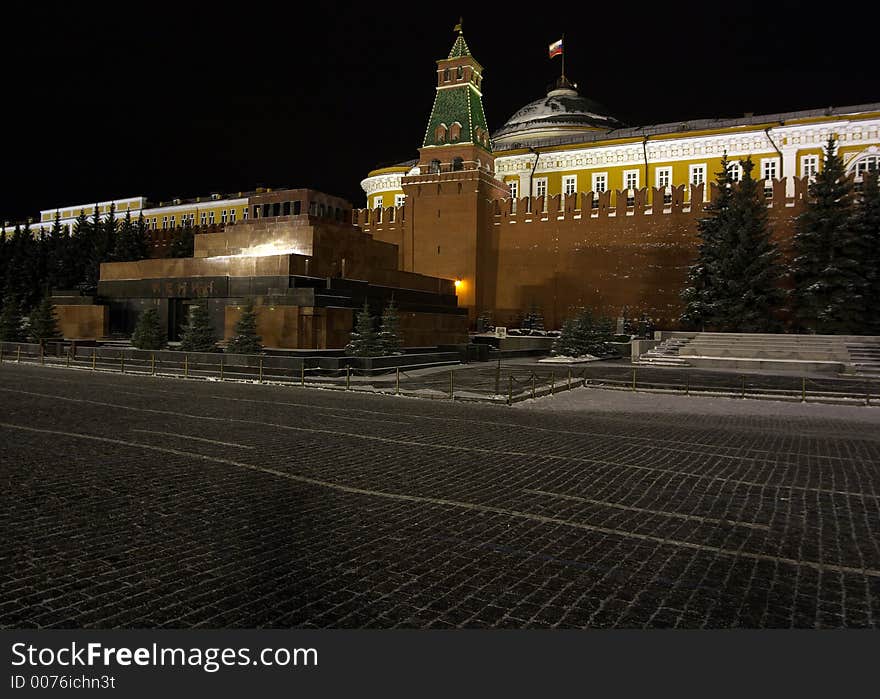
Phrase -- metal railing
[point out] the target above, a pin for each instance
(493, 382)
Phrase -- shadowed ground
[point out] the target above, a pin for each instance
(130, 501)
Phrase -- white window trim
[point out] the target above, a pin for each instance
(767, 161)
(692, 170)
(540, 180)
(513, 187)
(570, 179)
(735, 167)
(604, 176)
(812, 158)
(399, 199)
(663, 171)
(627, 174)
(378, 202)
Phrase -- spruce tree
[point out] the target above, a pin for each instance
(245, 340)
(11, 320)
(830, 289)
(364, 342)
(43, 322)
(748, 291)
(198, 334)
(183, 243)
(148, 333)
(866, 225)
(78, 252)
(131, 242)
(390, 339)
(700, 294)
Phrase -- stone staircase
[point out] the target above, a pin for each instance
(849, 354)
(665, 354)
(864, 357)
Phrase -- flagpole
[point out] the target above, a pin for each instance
(563, 58)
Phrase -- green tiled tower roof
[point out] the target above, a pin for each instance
(461, 102)
(459, 48)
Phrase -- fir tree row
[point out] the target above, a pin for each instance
(832, 285)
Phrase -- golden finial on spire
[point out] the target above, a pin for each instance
(458, 26)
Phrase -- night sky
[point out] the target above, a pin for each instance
(166, 101)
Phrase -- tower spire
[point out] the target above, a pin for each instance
(458, 27)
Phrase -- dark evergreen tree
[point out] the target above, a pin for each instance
(43, 322)
(56, 255)
(700, 294)
(198, 334)
(79, 251)
(245, 340)
(484, 322)
(364, 342)
(148, 333)
(183, 242)
(748, 292)
(830, 289)
(131, 243)
(866, 226)
(583, 335)
(11, 320)
(533, 319)
(390, 339)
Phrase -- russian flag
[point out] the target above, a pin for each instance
(556, 48)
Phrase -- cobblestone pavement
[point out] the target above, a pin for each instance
(131, 501)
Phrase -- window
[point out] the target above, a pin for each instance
(735, 171)
(399, 199)
(454, 132)
(164, 222)
(223, 216)
(446, 75)
(600, 182)
(870, 163)
(435, 166)
(211, 218)
(698, 174)
(809, 166)
(541, 187)
(631, 179)
(769, 168)
(244, 214)
(440, 133)
(203, 219)
(514, 189)
(664, 176)
(569, 184)
(457, 164)
(377, 202)
(173, 224)
(232, 216)
(285, 209)
(458, 73)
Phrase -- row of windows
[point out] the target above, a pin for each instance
(399, 200)
(663, 176)
(206, 218)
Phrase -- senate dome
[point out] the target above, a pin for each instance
(561, 114)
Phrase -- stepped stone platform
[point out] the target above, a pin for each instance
(851, 354)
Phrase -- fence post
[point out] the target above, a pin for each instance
(18, 355)
(634, 380)
(122, 362)
(397, 390)
(533, 385)
(569, 378)
(261, 370)
(498, 378)
(302, 373)
(867, 393)
(67, 362)
(552, 381)
(42, 353)
(94, 358)
(348, 378)
(221, 367)
(803, 389)
(687, 384)
(509, 389)
(152, 363)
(185, 366)
(452, 384)
(742, 386)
